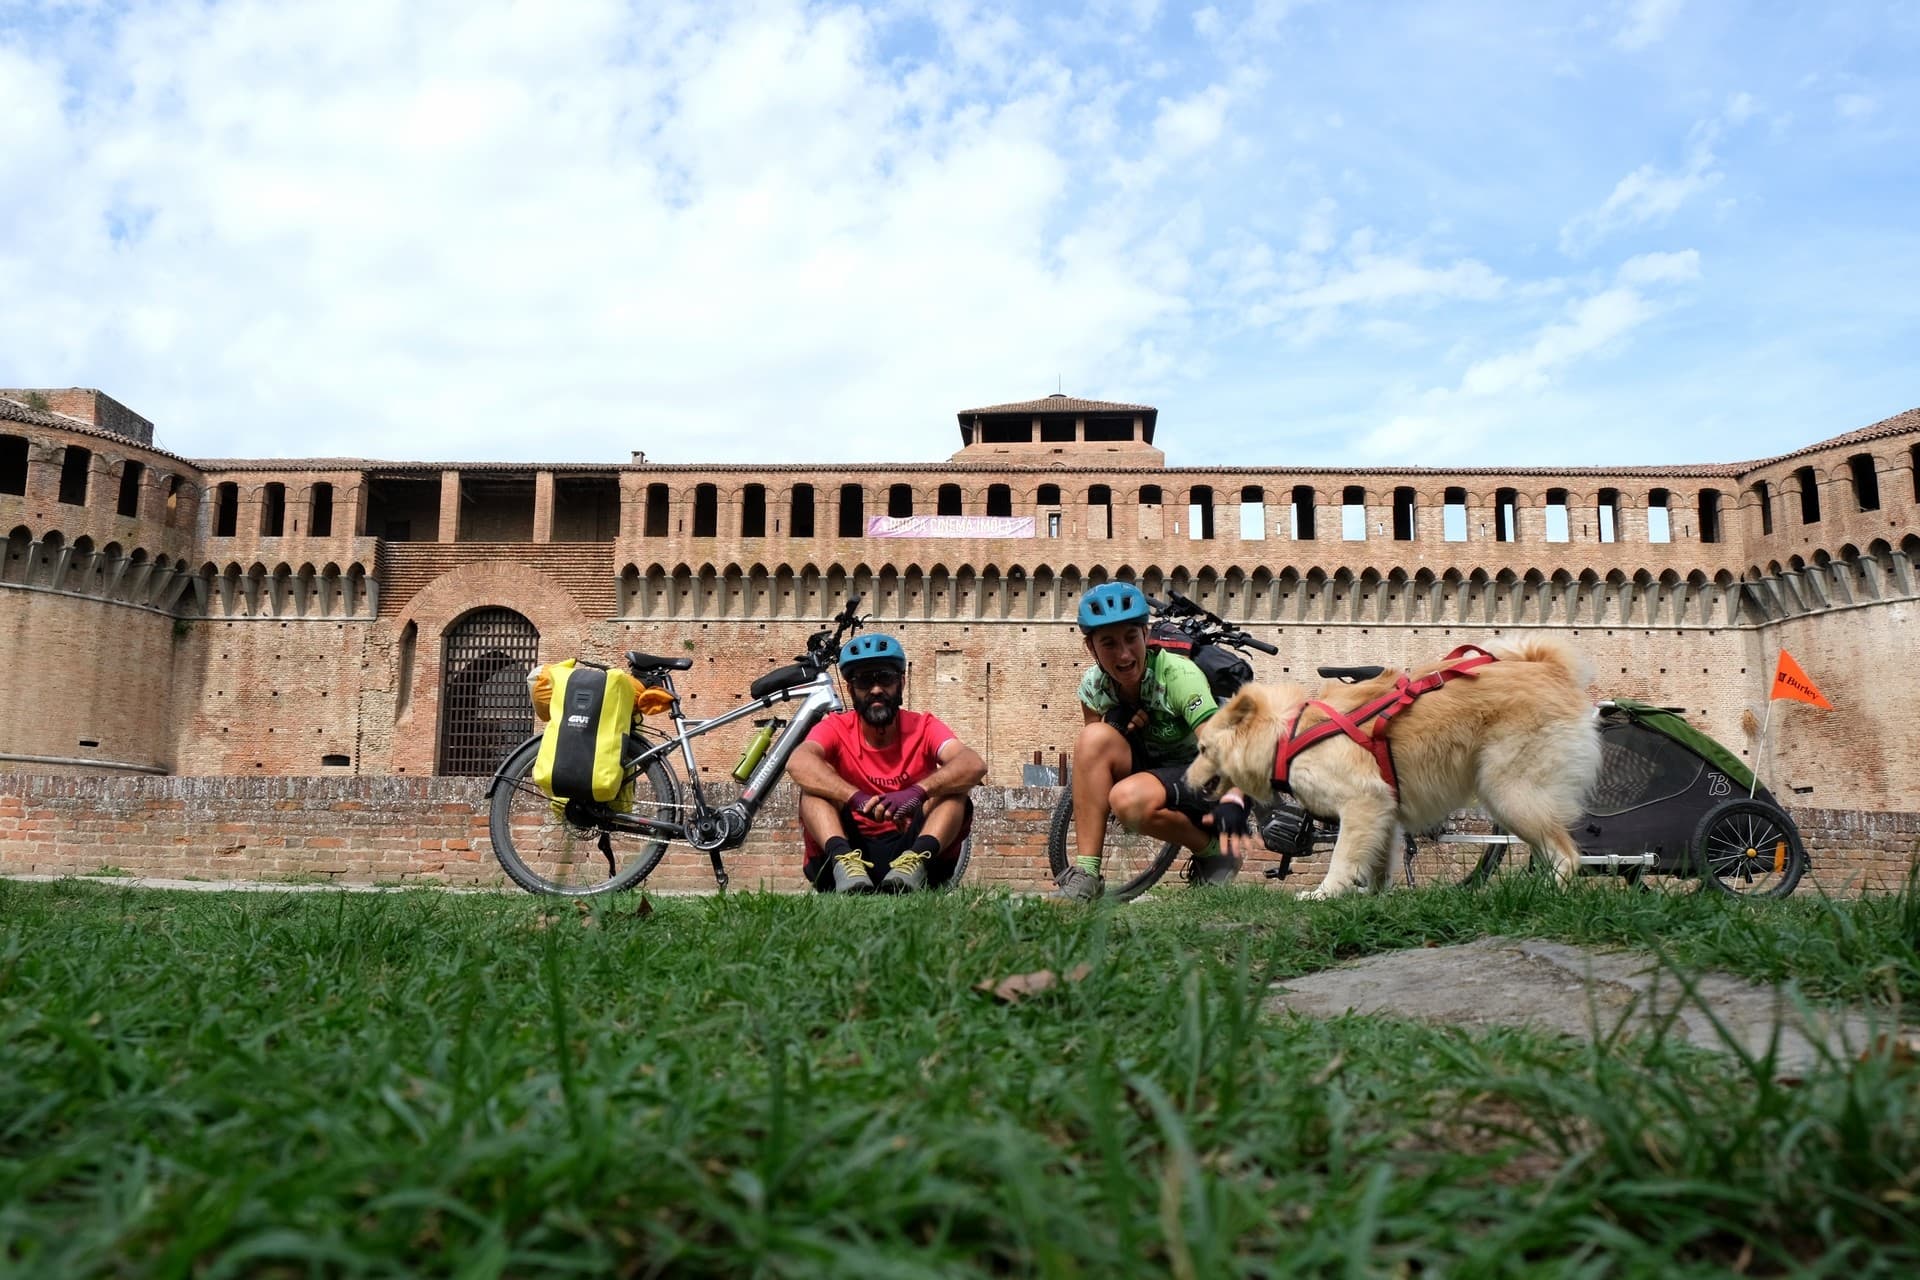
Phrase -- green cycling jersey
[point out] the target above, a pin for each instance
(1175, 696)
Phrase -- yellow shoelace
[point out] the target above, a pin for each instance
(853, 863)
(909, 862)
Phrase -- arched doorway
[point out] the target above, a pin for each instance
(484, 708)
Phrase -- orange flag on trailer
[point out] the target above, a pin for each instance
(1789, 681)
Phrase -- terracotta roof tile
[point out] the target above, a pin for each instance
(1898, 424)
(14, 411)
(1058, 403)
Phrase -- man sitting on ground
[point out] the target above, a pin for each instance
(882, 787)
(1140, 708)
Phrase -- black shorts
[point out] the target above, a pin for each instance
(1181, 797)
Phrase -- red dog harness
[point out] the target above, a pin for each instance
(1382, 710)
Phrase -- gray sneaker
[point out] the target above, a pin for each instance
(908, 874)
(851, 873)
(1212, 868)
(1079, 886)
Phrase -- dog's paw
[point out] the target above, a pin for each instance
(1315, 895)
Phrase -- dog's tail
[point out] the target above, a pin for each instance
(1552, 653)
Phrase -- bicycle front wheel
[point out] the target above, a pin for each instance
(1130, 864)
(546, 847)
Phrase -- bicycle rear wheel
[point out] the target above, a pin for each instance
(1130, 864)
(559, 849)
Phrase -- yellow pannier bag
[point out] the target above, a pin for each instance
(589, 713)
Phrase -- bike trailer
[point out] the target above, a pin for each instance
(1224, 669)
(589, 715)
(1660, 776)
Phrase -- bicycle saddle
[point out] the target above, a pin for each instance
(1350, 674)
(654, 662)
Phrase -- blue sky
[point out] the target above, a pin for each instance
(1632, 231)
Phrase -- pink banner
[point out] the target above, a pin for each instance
(949, 526)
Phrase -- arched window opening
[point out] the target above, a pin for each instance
(1404, 518)
(1200, 513)
(1607, 515)
(1809, 495)
(900, 501)
(1453, 515)
(656, 520)
(273, 510)
(1659, 516)
(13, 464)
(1300, 513)
(1253, 513)
(75, 466)
(484, 711)
(1866, 485)
(947, 503)
(320, 510)
(1764, 498)
(753, 511)
(132, 476)
(853, 511)
(1099, 511)
(1353, 514)
(1506, 515)
(1709, 515)
(1558, 519)
(800, 512)
(1152, 501)
(706, 511)
(226, 509)
(999, 500)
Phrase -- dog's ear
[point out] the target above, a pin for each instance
(1240, 708)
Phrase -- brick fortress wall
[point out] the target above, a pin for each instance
(268, 618)
(434, 831)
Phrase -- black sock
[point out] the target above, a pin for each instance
(928, 845)
(835, 846)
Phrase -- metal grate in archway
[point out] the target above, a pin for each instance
(485, 711)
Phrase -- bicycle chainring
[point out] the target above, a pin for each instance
(722, 828)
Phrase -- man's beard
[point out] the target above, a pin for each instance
(880, 709)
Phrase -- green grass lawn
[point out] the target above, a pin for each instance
(422, 1084)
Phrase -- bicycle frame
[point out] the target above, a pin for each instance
(819, 699)
(709, 829)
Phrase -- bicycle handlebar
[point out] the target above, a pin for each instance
(1217, 630)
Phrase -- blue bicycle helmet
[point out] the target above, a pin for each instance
(1111, 602)
(864, 650)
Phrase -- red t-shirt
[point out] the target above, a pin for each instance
(913, 755)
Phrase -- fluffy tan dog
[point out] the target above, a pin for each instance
(1518, 733)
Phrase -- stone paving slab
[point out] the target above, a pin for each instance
(1552, 986)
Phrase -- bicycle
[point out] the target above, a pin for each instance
(577, 848)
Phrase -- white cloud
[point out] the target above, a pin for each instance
(1661, 268)
(1502, 395)
(480, 233)
(1646, 22)
(1591, 325)
(1854, 106)
(1191, 124)
(1651, 195)
(1375, 280)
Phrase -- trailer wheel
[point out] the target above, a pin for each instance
(1749, 848)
